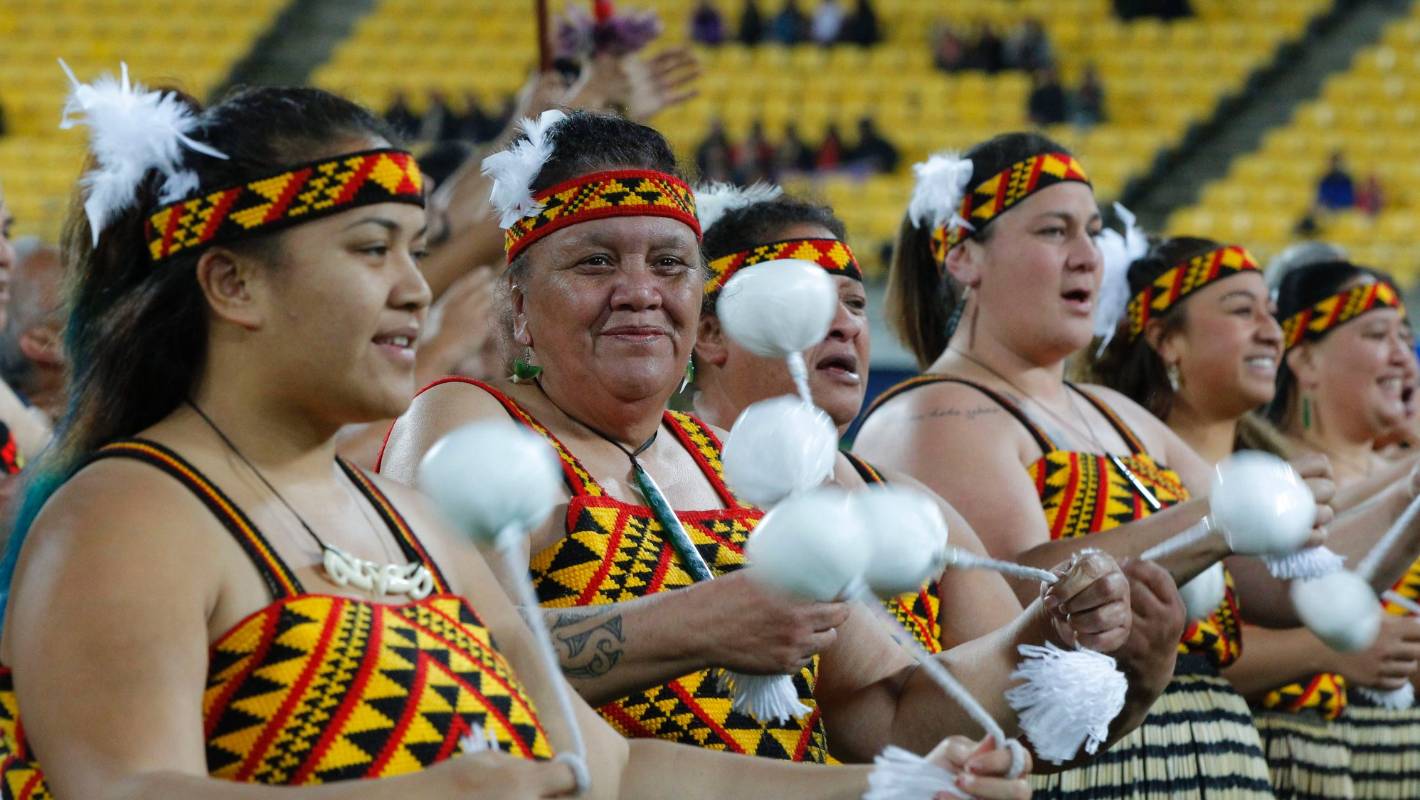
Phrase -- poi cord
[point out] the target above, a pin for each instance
(799, 371)
(1402, 601)
(1372, 562)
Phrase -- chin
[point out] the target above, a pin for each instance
(841, 404)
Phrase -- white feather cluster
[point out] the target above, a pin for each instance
(713, 201)
(131, 131)
(942, 181)
(1117, 251)
(514, 170)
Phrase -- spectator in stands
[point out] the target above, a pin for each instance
(861, 27)
(1028, 48)
(713, 149)
(755, 161)
(1047, 104)
(707, 26)
(792, 155)
(1369, 198)
(1089, 98)
(1163, 9)
(872, 153)
(474, 124)
(828, 22)
(790, 25)
(1336, 190)
(751, 24)
(987, 52)
(400, 116)
(3, 125)
(949, 50)
(830, 153)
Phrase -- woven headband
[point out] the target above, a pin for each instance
(994, 196)
(1183, 279)
(300, 194)
(621, 193)
(1312, 323)
(834, 256)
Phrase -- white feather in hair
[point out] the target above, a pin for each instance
(1117, 251)
(514, 170)
(941, 184)
(131, 131)
(715, 200)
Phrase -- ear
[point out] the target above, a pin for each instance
(521, 335)
(228, 282)
(964, 263)
(42, 344)
(710, 341)
(1169, 346)
(1305, 363)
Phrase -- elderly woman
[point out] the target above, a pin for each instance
(605, 279)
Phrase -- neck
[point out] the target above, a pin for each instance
(713, 403)
(275, 435)
(986, 356)
(628, 421)
(1351, 458)
(46, 390)
(1210, 437)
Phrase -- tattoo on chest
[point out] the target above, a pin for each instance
(955, 413)
(590, 645)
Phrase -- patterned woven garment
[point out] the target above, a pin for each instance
(614, 551)
(919, 612)
(318, 688)
(1198, 740)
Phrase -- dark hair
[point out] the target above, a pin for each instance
(761, 223)
(137, 333)
(1301, 288)
(587, 142)
(1132, 366)
(923, 302)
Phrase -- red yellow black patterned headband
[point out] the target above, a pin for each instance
(831, 254)
(300, 194)
(1184, 279)
(621, 193)
(994, 196)
(1311, 324)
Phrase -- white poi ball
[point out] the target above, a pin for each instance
(1202, 595)
(907, 537)
(491, 477)
(778, 307)
(779, 446)
(1261, 504)
(1340, 608)
(810, 545)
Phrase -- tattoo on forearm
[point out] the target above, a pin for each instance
(955, 413)
(590, 645)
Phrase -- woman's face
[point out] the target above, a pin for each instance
(1037, 275)
(348, 300)
(838, 365)
(1229, 348)
(1357, 373)
(611, 305)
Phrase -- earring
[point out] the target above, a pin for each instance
(524, 370)
(955, 319)
(1306, 412)
(689, 375)
(1174, 376)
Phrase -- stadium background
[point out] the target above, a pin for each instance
(1220, 123)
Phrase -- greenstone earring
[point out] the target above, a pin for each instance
(524, 370)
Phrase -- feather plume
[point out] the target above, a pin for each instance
(514, 170)
(1117, 251)
(941, 184)
(131, 131)
(715, 200)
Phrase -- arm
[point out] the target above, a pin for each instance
(1275, 658)
(930, 432)
(1354, 494)
(1356, 532)
(112, 603)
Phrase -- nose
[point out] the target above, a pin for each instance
(411, 292)
(1084, 254)
(1269, 330)
(635, 290)
(847, 325)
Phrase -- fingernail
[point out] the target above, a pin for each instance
(966, 782)
(1052, 602)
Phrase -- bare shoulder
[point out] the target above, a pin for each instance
(435, 412)
(1156, 435)
(943, 419)
(948, 404)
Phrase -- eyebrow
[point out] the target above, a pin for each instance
(388, 224)
(1237, 293)
(1065, 216)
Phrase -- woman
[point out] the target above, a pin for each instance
(994, 284)
(605, 287)
(1340, 387)
(1201, 359)
(213, 634)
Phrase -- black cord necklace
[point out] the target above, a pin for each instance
(341, 567)
(690, 557)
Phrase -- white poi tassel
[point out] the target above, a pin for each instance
(767, 698)
(1305, 564)
(480, 740)
(778, 309)
(900, 775)
(1066, 699)
(1393, 699)
(497, 481)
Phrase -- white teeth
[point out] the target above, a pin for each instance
(1262, 361)
(396, 341)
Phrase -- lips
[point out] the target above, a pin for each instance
(1079, 300)
(843, 366)
(398, 343)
